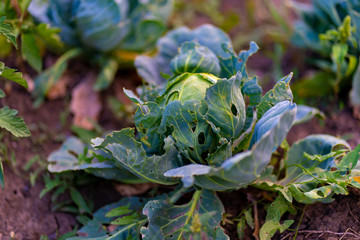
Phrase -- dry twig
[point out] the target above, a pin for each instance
(256, 222)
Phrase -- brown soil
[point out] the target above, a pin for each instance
(22, 211)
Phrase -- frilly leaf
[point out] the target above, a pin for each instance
(243, 57)
(314, 144)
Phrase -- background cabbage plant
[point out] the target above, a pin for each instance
(199, 129)
(331, 30)
(105, 25)
(109, 33)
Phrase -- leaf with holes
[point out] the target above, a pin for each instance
(198, 219)
(226, 107)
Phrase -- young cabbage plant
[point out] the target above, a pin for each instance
(331, 30)
(201, 131)
(110, 33)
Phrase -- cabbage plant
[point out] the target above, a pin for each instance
(204, 131)
(107, 32)
(331, 30)
(107, 24)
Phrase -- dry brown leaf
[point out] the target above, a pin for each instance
(85, 103)
(58, 90)
(356, 112)
(30, 82)
(129, 190)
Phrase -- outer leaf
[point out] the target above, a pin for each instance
(242, 168)
(13, 124)
(68, 157)
(200, 217)
(305, 113)
(30, 51)
(6, 30)
(11, 75)
(270, 119)
(130, 153)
